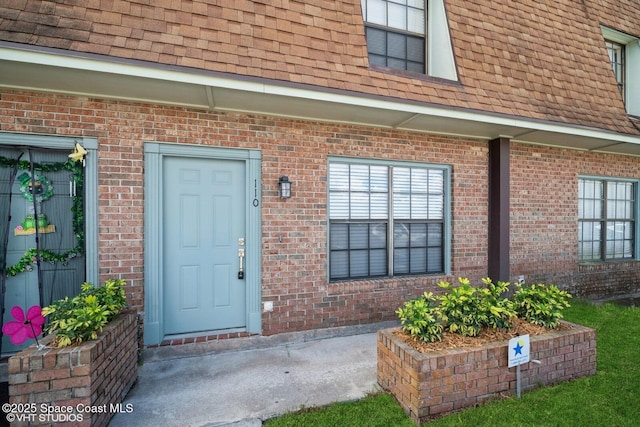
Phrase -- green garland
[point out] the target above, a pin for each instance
(77, 209)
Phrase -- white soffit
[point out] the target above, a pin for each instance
(127, 80)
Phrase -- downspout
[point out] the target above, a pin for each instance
(499, 210)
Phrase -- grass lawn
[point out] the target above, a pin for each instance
(610, 398)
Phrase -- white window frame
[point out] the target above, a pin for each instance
(631, 45)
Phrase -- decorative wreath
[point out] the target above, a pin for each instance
(39, 186)
(76, 168)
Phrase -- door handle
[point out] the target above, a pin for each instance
(241, 269)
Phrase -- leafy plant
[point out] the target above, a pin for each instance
(541, 304)
(82, 317)
(460, 308)
(419, 318)
(465, 310)
(498, 311)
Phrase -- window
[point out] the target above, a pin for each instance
(624, 55)
(606, 219)
(616, 55)
(386, 220)
(395, 32)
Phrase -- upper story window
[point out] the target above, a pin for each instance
(387, 220)
(396, 33)
(403, 35)
(616, 55)
(607, 219)
(624, 54)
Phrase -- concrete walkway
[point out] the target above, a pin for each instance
(245, 381)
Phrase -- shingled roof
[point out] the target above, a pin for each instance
(533, 59)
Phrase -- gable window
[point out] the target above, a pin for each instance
(386, 220)
(616, 55)
(404, 35)
(624, 55)
(606, 219)
(395, 32)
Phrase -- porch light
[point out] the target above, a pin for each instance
(285, 187)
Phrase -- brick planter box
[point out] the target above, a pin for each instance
(77, 385)
(429, 385)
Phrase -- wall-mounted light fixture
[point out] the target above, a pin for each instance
(285, 187)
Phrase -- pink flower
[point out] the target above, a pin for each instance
(21, 329)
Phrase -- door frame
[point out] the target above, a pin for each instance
(153, 218)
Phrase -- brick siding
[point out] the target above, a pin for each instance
(429, 385)
(544, 218)
(97, 374)
(294, 231)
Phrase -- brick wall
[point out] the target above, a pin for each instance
(95, 375)
(544, 218)
(294, 233)
(429, 385)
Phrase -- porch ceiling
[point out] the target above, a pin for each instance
(52, 71)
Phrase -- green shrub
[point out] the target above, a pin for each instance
(465, 310)
(497, 311)
(541, 304)
(461, 308)
(419, 318)
(82, 317)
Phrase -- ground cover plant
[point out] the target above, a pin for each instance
(610, 398)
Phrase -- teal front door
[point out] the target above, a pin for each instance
(203, 235)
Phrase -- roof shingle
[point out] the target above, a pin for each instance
(520, 58)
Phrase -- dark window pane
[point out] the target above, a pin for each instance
(435, 261)
(434, 235)
(400, 235)
(418, 260)
(395, 50)
(359, 236)
(425, 248)
(359, 264)
(339, 265)
(378, 236)
(378, 60)
(378, 262)
(401, 261)
(339, 237)
(415, 49)
(419, 235)
(397, 45)
(377, 41)
(396, 63)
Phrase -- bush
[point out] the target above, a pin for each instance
(498, 311)
(82, 317)
(420, 319)
(461, 308)
(541, 304)
(465, 310)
